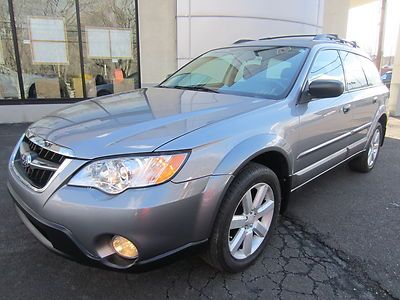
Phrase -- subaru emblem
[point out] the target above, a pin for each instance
(26, 159)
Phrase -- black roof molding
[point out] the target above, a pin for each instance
(287, 36)
(243, 41)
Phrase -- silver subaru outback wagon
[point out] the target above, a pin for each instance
(209, 156)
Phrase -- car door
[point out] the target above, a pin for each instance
(364, 96)
(324, 123)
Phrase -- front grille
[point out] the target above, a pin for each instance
(44, 153)
(42, 165)
(38, 178)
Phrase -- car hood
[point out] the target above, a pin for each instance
(138, 121)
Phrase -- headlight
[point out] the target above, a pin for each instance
(115, 175)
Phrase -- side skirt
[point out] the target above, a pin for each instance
(327, 170)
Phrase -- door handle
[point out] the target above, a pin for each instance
(374, 100)
(346, 108)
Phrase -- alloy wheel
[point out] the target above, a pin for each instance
(251, 221)
(374, 148)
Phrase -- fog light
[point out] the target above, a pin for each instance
(124, 247)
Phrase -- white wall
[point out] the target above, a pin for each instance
(394, 102)
(157, 39)
(26, 113)
(207, 24)
(336, 16)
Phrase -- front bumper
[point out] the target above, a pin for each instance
(80, 222)
(51, 235)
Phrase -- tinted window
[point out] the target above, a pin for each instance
(248, 71)
(327, 65)
(370, 71)
(387, 76)
(355, 77)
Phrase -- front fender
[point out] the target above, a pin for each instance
(250, 148)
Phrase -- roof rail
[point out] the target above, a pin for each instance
(286, 36)
(242, 41)
(335, 38)
(326, 36)
(316, 37)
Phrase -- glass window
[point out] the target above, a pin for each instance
(387, 76)
(48, 44)
(9, 85)
(248, 71)
(109, 46)
(214, 66)
(327, 65)
(355, 77)
(370, 71)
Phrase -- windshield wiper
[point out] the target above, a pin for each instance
(192, 88)
(202, 88)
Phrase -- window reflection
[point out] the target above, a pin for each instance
(109, 46)
(327, 65)
(370, 71)
(355, 77)
(49, 47)
(48, 44)
(9, 86)
(265, 72)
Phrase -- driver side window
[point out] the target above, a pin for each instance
(327, 65)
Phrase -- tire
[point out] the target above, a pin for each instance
(256, 178)
(363, 163)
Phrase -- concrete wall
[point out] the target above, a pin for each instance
(336, 16)
(157, 39)
(26, 113)
(394, 102)
(207, 24)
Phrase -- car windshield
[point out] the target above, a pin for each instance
(247, 71)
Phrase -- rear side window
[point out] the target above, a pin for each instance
(355, 77)
(327, 65)
(370, 71)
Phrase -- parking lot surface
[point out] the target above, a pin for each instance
(339, 239)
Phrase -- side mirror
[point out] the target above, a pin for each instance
(323, 88)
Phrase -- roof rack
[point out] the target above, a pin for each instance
(286, 36)
(316, 37)
(243, 41)
(335, 38)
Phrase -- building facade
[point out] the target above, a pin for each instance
(175, 31)
(54, 53)
(57, 52)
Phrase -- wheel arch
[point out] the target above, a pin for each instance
(279, 164)
(383, 119)
(276, 156)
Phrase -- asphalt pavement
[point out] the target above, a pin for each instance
(338, 240)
